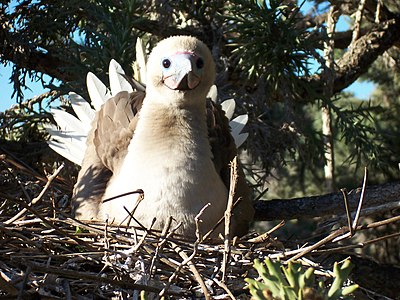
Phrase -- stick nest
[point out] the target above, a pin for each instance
(44, 253)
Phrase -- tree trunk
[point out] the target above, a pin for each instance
(329, 168)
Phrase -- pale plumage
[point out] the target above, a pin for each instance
(176, 147)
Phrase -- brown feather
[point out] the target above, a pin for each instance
(107, 143)
(224, 151)
(115, 127)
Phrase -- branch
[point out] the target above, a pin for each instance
(15, 49)
(162, 30)
(356, 61)
(384, 196)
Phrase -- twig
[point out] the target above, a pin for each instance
(228, 214)
(131, 217)
(5, 284)
(348, 213)
(380, 223)
(12, 160)
(360, 203)
(225, 288)
(67, 289)
(378, 11)
(357, 23)
(24, 281)
(73, 274)
(44, 220)
(358, 245)
(381, 238)
(138, 191)
(165, 235)
(39, 197)
(353, 226)
(340, 233)
(267, 235)
(320, 243)
(188, 259)
(337, 235)
(207, 235)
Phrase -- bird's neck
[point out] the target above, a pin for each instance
(166, 127)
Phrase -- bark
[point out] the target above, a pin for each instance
(380, 197)
(327, 131)
(358, 59)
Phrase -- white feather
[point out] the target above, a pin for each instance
(97, 91)
(118, 83)
(240, 139)
(229, 107)
(82, 109)
(237, 124)
(68, 152)
(213, 93)
(55, 132)
(70, 145)
(68, 122)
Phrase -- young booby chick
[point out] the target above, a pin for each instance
(170, 142)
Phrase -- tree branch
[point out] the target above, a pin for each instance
(16, 50)
(387, 195)
(358, 59)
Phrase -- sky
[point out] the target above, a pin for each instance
(6, 88)
(361, 89)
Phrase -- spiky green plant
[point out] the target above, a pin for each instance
(296, 283)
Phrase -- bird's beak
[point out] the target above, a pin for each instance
(183, 74)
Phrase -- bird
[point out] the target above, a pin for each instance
(170, 142)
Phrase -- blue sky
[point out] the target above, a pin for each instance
(6, 88)
(361, 89)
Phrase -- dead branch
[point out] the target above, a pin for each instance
(382, 197)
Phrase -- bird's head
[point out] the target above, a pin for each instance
(180, 69)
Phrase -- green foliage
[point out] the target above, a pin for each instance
(83, 36)
(24, 124)
(295, 283)
(266, 42)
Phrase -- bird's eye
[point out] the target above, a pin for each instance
(166, 63)
(200, 63)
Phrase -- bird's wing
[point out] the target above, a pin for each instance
(237, 124)
(116, 123)
(224, 151)
(107, 144)
(69, 137)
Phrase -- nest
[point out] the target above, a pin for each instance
(46, 254)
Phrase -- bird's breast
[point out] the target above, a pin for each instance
(170, 160)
